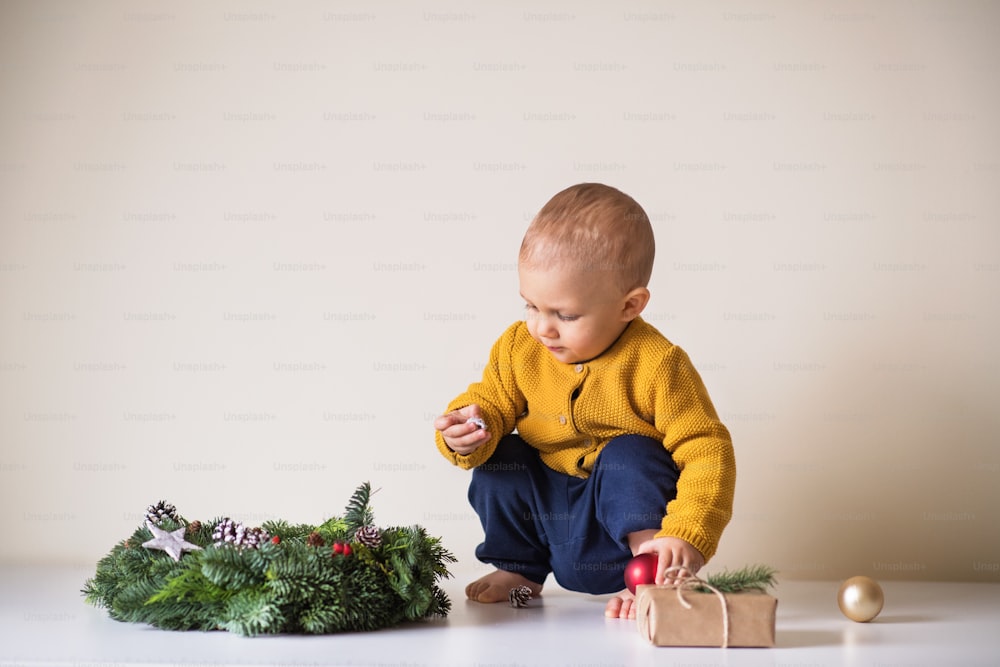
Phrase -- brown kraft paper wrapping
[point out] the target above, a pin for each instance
(665, 621)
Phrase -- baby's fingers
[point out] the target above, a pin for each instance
(463, 441)
(466, 430)
(445, 421)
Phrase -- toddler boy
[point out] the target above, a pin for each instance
(599, 439)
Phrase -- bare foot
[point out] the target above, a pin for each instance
(495, 586)
(622, 605)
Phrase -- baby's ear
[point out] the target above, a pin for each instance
(635, 303)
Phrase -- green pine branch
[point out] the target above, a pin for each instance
(359, 512)
(751, 577)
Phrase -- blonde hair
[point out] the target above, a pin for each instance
(592, 227)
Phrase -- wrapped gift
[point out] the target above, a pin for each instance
(684, 614)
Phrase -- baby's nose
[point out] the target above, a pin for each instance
(547, 328)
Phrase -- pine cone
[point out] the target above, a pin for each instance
(194, 527)
(370, 536)
(160, 511)
(519, 596)
(233, 532)
(315, 540)
(256, 537)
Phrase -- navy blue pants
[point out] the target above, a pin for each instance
(538, 521)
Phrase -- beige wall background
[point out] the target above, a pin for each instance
(249, 250)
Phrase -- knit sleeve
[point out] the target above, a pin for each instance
(702, 449)
(498, 397)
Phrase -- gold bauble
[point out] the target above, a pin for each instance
(860, 599)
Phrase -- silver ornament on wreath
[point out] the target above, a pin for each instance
(172, 542)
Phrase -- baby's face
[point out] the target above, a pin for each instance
(576, 315)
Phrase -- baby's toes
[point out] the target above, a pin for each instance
(613, 608)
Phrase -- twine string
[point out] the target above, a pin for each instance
(683, 579)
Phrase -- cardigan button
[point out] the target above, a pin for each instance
(562, 419)
(579, 368)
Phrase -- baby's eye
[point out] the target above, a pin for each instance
(568, 318)
(528, 306)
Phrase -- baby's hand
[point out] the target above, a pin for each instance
(462, 431)
(672, 552)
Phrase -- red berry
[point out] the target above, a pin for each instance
(347, 549)
(338, 547)
(275, 540)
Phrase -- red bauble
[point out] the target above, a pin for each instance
(338, 547)
(640, 570)
(275, 540)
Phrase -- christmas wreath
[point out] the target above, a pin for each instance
(343, 575)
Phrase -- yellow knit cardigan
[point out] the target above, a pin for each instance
(644, 385)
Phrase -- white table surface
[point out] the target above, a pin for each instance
(45, 621)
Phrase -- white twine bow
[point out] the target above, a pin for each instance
(683, 579)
